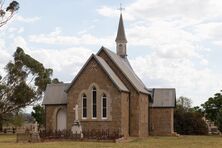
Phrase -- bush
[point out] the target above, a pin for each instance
(189, 123)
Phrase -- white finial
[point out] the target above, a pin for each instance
(121, 8)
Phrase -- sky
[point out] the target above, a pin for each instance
(171, 43)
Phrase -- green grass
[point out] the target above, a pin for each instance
(8, 141)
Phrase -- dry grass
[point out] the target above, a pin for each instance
(8, 141)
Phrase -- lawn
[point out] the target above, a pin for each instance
(151, 142)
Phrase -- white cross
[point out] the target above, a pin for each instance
(121, 8)
(76, 112)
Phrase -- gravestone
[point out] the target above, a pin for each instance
(76, 127)
(28, 133)
(35, 134)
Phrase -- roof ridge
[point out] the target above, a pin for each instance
(128, 72)
(86, 63)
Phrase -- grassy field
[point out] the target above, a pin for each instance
(151, 142)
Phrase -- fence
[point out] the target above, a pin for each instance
(88, 134)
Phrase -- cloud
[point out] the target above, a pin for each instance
(182, 74)
(26, 19)
(178, 35)
(65, 62)
(56, 38)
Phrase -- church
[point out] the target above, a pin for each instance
(111, 96)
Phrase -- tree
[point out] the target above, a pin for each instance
(219, 120)
(7, 13)
(184, 103)
(213, 109)
(187, 120)
(39, 114)
(17, 120)
(24, 83)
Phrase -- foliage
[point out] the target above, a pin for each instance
(187, 120)
(17, 120)
(38, 114)
(184, 103)
(189, 123)
(213, 109)
(56, 81)
(7, 13)
(24, 83)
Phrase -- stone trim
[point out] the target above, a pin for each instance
(107, 109)
(99, 94)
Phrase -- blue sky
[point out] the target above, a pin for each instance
(171, 43)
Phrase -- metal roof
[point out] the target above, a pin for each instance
(127, 70)
(107, 69)
(163, 97)
(111, 74)
(55, 94)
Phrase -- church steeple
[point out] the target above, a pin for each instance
(121, 39)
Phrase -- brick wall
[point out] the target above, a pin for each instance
(51, 113)
(134, 101)
(143, 103)
(161, 121)
(125, 113)
(94, 75)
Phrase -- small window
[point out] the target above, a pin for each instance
(84, 106)
(104, 107)
(94, 111)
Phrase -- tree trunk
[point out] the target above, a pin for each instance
(1, 124)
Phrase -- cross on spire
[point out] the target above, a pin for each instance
(121, 8)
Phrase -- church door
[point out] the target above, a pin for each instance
(61, 120)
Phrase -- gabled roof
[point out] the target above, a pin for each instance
(127, 70)
(108, 71)
(55, 94)
(121, 37)
(163, 97)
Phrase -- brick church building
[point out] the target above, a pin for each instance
(110, 96)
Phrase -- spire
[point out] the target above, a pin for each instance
(121, 37)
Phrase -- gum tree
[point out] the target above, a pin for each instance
(6, 13)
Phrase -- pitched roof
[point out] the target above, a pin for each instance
(121, 37)
(108, 71)
(163, 97)
(127, 70)
(111, 74)
(55, 94)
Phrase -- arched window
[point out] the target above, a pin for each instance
(104, 107)
(94, 111)
(84, 106)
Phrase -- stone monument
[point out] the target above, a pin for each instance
(76, 127)
(35, 134)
